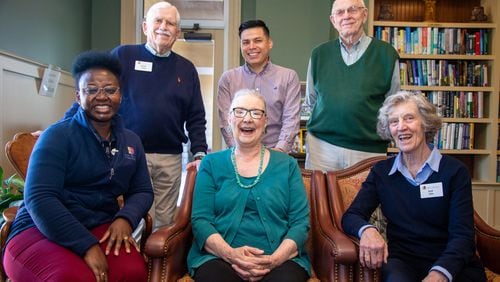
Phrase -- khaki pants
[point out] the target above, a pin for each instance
(166, 172)
(321, 155)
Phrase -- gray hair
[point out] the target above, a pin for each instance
(163, 4)
(430, 120)
(361, 3)
(248, 92)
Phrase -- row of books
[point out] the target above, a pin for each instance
(434, 40)
(457, 104)
(443, 73)
(455, 136)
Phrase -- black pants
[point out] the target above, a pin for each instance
(221, 271)
(399, 270)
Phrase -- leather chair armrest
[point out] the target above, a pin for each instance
(146, 232)
(487, 243)
(167, 250)
(169, 240)
(9, 214)
(167, 247)
(331, 246)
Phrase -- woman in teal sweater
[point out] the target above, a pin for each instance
(250, 212)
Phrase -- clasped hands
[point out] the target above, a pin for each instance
(118, 233)
(251, 264)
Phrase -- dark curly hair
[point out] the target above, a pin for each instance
(252, 24)
(95, 59)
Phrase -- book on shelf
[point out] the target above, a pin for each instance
(434, 40)
(455, 136)
(457, 104)
(443, 73)
(302, 140)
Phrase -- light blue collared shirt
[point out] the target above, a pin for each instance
(155, 53)
(429, 166)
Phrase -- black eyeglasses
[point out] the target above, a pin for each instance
(108, 90)
(254, 113)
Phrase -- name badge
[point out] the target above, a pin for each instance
(143, 66)
(431, 190)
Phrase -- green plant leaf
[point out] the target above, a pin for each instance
(11, 190)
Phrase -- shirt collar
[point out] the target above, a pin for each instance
(154, 52)
(362, 41)
(432, 161)
(264, 69)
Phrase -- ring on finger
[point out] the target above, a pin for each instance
(125, 238)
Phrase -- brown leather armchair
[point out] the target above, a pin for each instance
(343, 186)
(488, 247)
(167, 248)
(18, 151)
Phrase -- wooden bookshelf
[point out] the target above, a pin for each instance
(482, 160)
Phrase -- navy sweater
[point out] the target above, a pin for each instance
(72, 185)
(440, 230)
(156, 104)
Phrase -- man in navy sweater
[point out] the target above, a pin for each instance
(161, 94)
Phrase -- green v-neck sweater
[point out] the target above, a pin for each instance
(348, 97)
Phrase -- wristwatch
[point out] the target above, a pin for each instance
(199, 156)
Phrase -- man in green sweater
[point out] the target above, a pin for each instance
(347, 81)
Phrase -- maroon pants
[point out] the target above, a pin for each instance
(29, 256)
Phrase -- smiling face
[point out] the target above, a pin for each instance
(100, 107)
(350, 22)
(255, 47)
(407, 128)
(161, 27)
(247, 131)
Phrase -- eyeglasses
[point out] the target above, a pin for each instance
(351, 11)
(254, 113)
(108, 90)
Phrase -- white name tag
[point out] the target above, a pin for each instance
(143, 66)
(431, 190)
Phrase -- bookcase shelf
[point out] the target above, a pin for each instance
(451, 152)
(447, 57)
(447, 88)
(434, 24)
(453, 17)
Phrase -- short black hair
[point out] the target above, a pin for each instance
(252, 24)
(95, 59)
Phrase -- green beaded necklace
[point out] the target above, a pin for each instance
(259, 172)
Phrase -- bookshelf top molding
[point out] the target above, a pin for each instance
(435, 24)
(448, 88)
(446, 57)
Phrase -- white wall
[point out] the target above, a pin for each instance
(21, 108)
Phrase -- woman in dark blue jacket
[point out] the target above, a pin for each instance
(70, 227)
